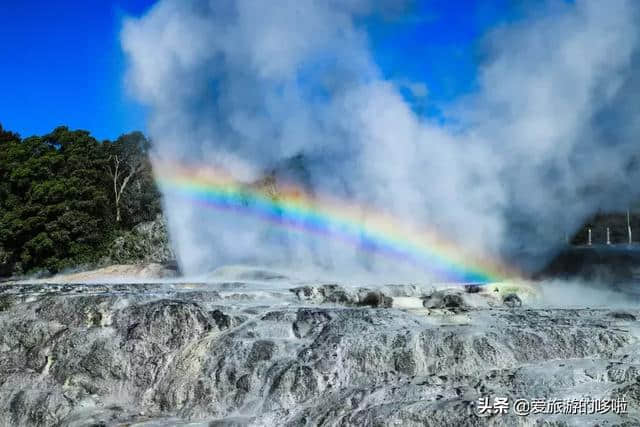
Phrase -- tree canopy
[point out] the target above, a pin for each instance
(57, 204)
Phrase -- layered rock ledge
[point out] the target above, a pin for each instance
(247, 353)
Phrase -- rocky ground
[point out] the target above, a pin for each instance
(147, 242)
(263, 350)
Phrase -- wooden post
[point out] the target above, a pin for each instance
(629, 227)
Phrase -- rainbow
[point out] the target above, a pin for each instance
(293, 208)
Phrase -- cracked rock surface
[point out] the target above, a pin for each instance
(236, 354)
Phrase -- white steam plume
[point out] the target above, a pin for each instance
(249, 84)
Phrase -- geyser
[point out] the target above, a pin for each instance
(251, 87)
(333, 220)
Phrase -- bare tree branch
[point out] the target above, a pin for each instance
(128, 168)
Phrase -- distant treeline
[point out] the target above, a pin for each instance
(65, 195)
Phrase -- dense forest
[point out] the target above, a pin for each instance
(65, 196)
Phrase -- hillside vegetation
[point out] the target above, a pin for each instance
(65, 197)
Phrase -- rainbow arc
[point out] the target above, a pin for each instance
(352, 224)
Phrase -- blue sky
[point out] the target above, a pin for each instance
(439, 45)
(61, 61)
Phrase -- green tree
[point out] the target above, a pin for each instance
(62, 201)
(9, 203)
(54, 204)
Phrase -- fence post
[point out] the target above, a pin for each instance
(629, 227)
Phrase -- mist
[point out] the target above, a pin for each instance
(546, 139)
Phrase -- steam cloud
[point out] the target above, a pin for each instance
(546, 139)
